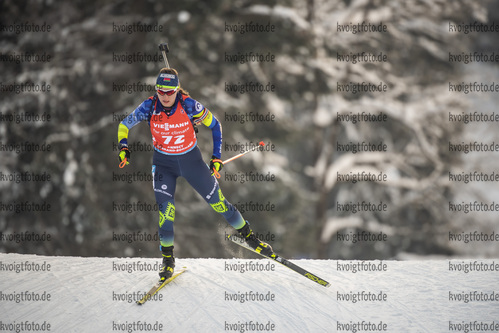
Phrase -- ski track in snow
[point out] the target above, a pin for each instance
(83, 295)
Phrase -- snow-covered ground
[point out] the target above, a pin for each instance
(74, 294)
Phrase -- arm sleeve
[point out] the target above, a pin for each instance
(203, 115)
(216, 131)
(142, 112)
(123, 134)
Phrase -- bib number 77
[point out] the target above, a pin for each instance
(178, 139)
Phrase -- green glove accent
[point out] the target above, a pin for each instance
(124, 156)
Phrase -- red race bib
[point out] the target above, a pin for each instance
(174, 134)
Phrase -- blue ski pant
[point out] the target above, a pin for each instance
(165, 171)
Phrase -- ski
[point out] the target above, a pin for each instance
(285, 262)
(159, 285)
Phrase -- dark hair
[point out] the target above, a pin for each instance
(174, 71)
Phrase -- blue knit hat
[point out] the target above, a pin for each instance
(167, 81)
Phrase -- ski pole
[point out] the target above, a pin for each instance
(163, 47)
(260, 144)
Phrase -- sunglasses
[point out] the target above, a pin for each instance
(167, 92)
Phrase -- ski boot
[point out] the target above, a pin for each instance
(166, 270)
(256, 244)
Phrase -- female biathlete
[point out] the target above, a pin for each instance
(172, 116)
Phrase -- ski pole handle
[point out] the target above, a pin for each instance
(123, 163)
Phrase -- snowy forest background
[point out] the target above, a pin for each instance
(82, 132)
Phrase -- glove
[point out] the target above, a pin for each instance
(124, 156)
(216, 165)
